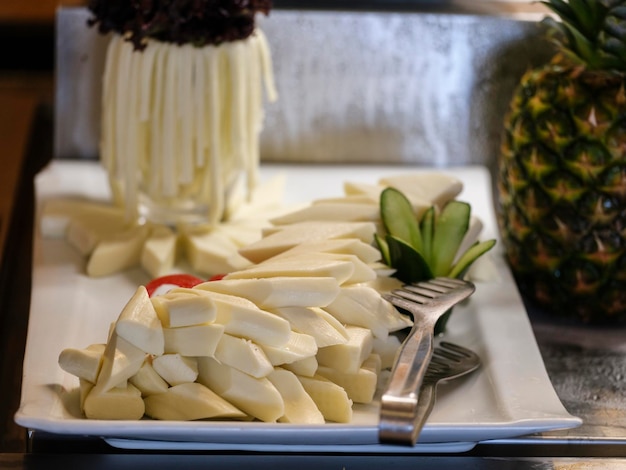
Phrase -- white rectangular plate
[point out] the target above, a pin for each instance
(511, 395)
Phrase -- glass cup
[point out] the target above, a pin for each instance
(181, 124)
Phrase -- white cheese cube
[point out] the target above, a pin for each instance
(244, 355)
(299, 406)
(83, 363)
(148, 381)
(300, 346)
(331, 212)
(120, 361)
(360, 386)
(213, 253)
(314, 322)
(289, 236)
(139, 324)
(184, 307)
(194, 340)
(348, 357)
(361, 305)
(57, 214)
(273, 292)
(331, 399)
(306, 367)
(117, 252)
(243, 318)
(302, 265)
(84, 387)
(436, 187)
(256, 397)
(387, 350)
(87, 229)
(347, 246)
(176, 369)
(189, 401)
(158, 253)
(116, 404)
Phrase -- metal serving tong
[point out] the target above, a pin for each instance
(426, 301)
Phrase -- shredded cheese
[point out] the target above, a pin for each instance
(180, 124)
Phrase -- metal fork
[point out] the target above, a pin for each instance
(449, 361)
(427, 301)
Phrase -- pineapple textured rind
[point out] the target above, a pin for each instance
(562, 187)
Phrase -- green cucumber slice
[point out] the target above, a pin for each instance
(427, 227)
(410, 265)
(471, 255)
(450, 228)
(399, 219)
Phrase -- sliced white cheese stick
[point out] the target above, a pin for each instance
(361, 305)
(300, 346)
(87, 229)
(244, 355)
(243, 318)
(299, 406)
(57, 214)
(148, 381)
(265, 198)
(348, 246)
(280, 291)
(242, 233)
(387, 348)
(360, 386)
(373, 363)
(348, 357)
(176, 369)
(139, 324)
(363, 190)
(84, 387)
(213, 253)
(327, 212)
(302, 265)
(117, 252)
(117, 404)
(419, 203)
(184, 307)
(120, 361)
(158, 253)
(362, 271)
(83, 363)
(384, 283)
(256, 397)
(288, 236)
(190, 401)
(306, 367)
(314, 322)
(436, 187)
(349, 198)
(194, 340)
(330, 398)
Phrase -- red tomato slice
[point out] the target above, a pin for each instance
(162, 284)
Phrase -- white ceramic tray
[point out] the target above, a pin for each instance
(511, 395)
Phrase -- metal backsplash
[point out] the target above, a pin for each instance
(354, 87)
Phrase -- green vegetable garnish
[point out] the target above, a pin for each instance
(423, 249)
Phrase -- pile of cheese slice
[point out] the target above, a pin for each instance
(297, 336)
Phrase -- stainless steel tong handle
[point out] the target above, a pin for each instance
(427, 301)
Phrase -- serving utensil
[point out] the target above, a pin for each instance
(449, 361)
(426, 301)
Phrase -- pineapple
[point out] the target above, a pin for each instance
(562, 169)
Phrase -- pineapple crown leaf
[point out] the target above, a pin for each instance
(591, 32)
